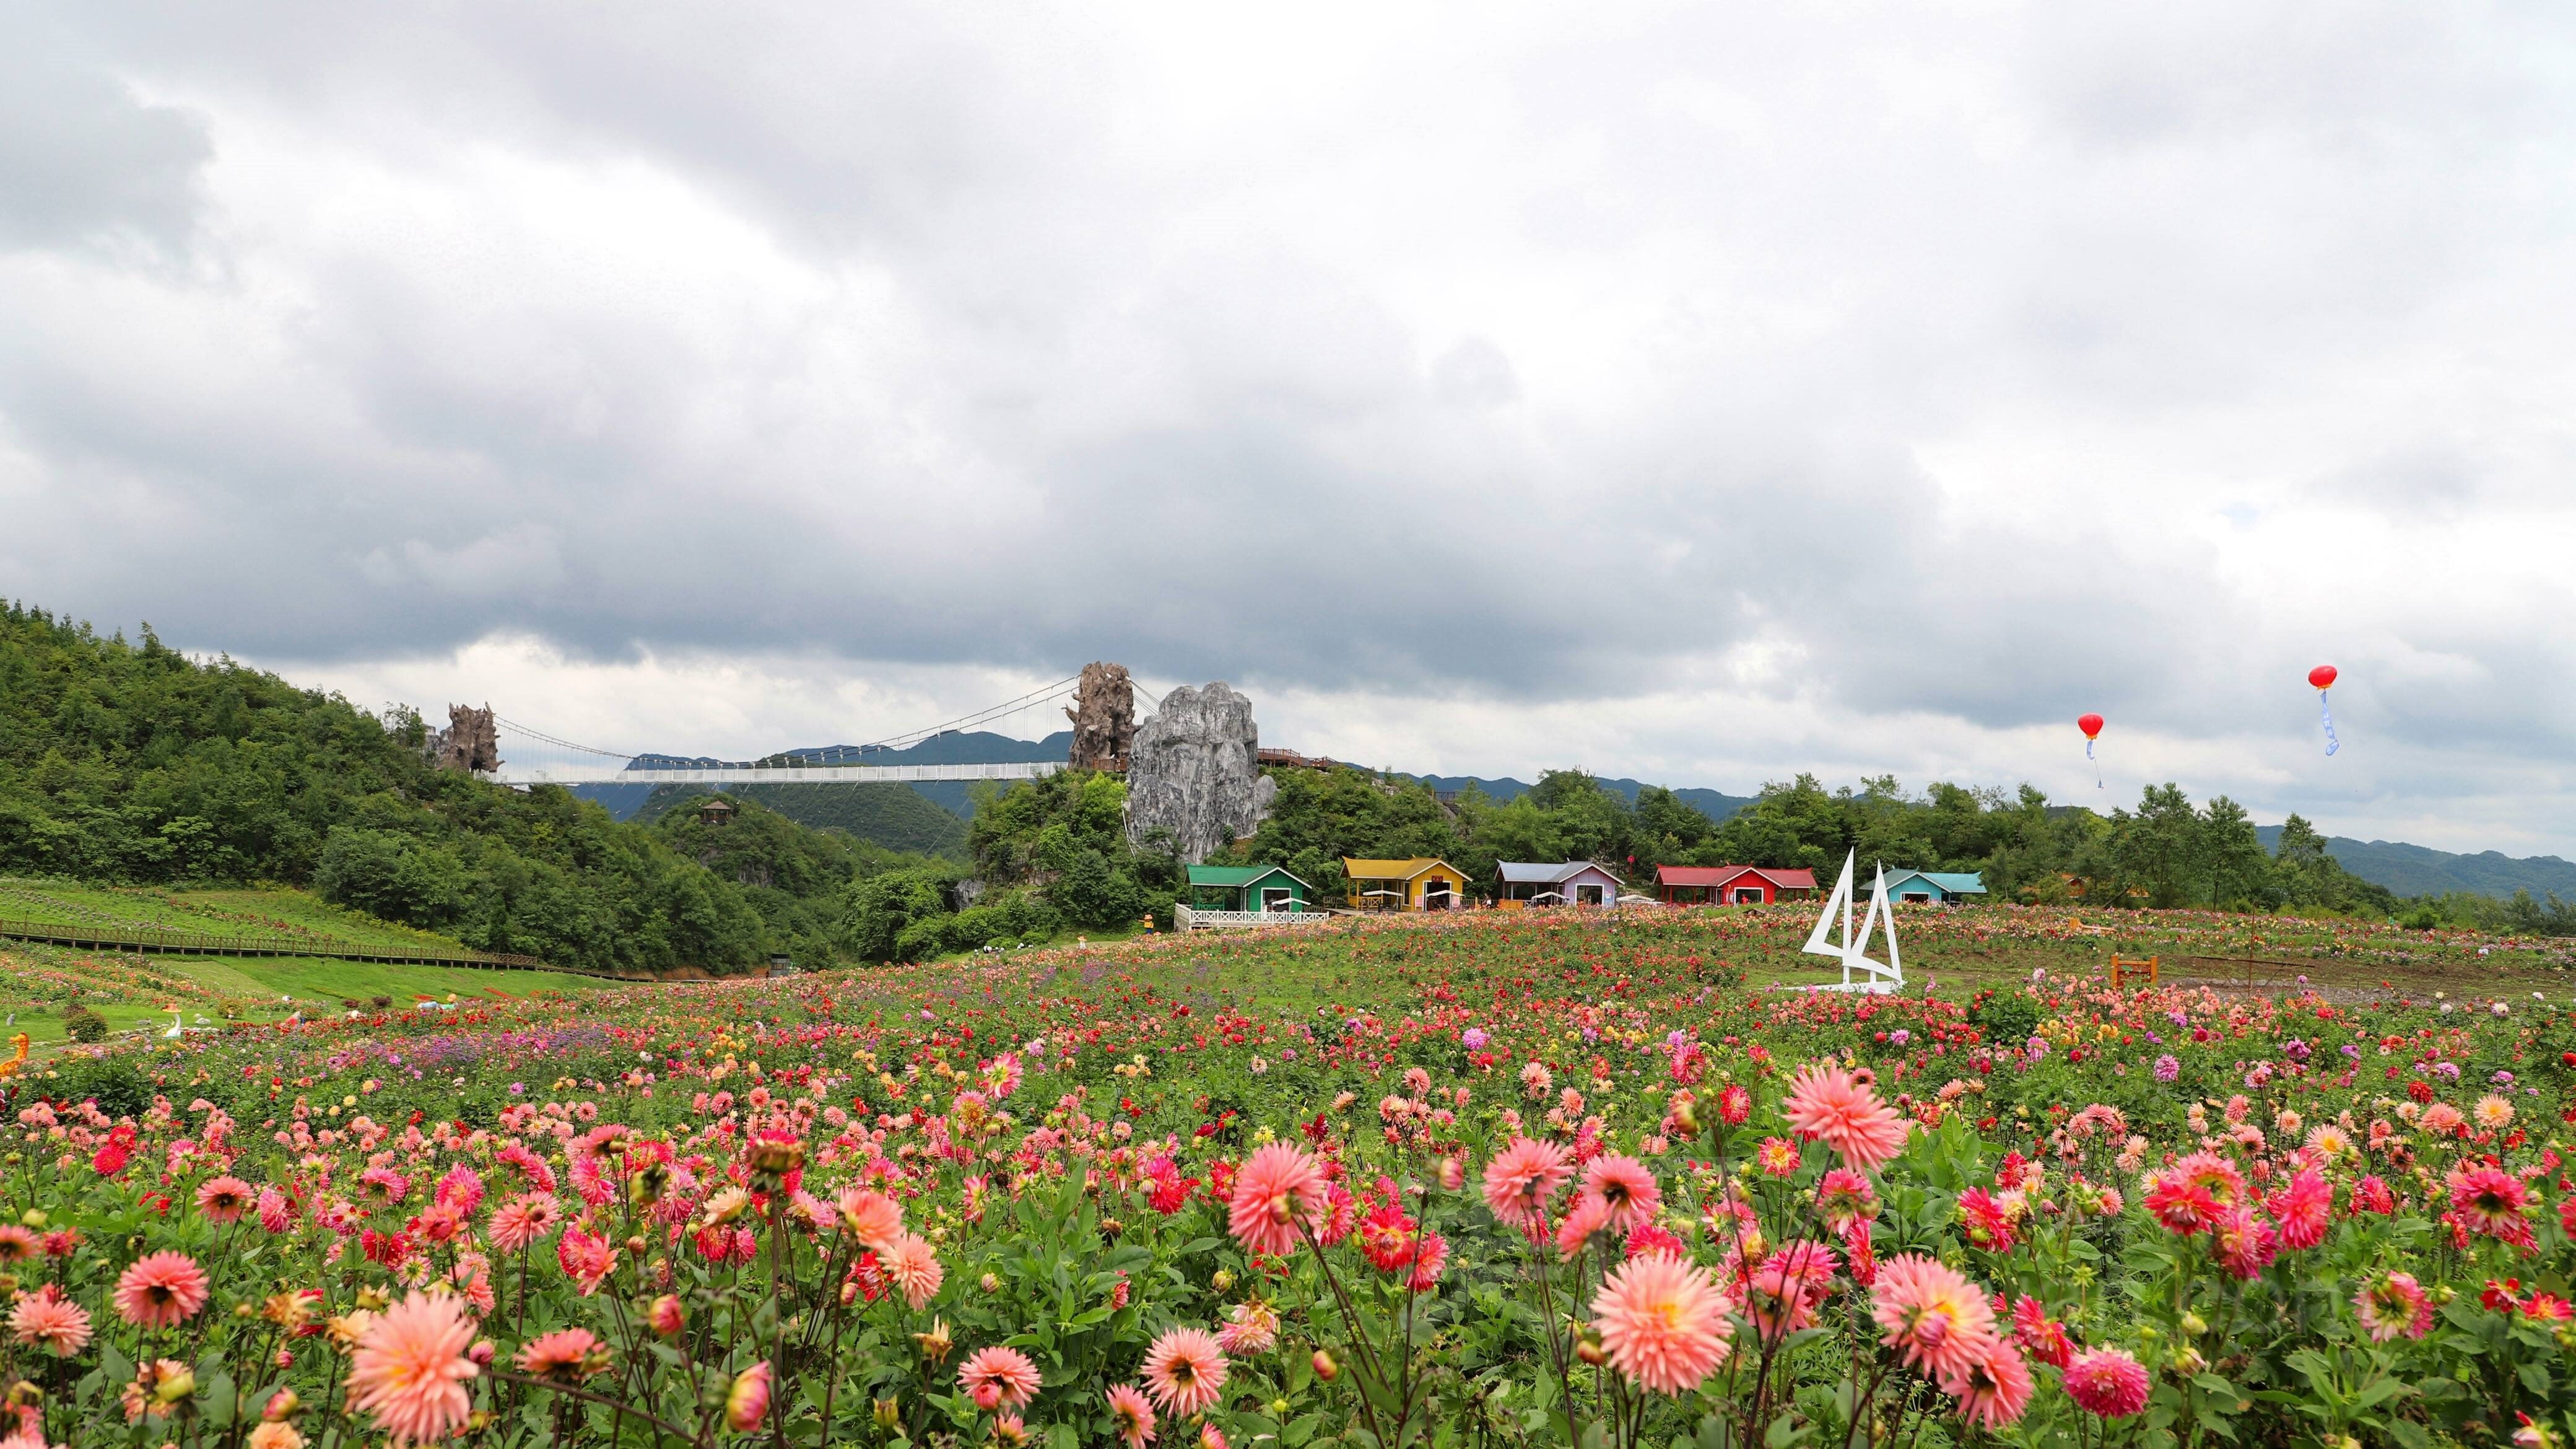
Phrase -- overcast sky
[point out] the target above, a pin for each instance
(1703, 393)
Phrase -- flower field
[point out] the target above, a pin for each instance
(1487, 1181)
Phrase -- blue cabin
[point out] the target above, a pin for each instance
(1935, 887)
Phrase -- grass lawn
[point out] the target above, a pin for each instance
(39, 983)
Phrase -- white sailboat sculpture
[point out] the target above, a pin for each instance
(1876, 979)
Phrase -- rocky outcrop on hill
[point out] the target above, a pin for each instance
(1104, 717)
(471, 741)
(1192, 776)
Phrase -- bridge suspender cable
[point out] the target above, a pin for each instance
(1046, 694)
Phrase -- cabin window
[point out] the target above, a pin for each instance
(1587, 895)
(1275, 898)
(1748, 895)
(1916, 898)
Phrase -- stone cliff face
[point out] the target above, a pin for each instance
(1192, 773)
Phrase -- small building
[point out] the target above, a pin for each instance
(1418, 884)
(1934, 887)
(717, 811)
(1526, 883)
(1246, 888)
(1732, 885)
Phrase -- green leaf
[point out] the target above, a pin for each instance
(2535, 1377)
(1062, 1436)
(2380, 1392)
(1715, 1432)
(2409, 1433)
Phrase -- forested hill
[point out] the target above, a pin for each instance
(1717, 805)
(125, 761)
(2416, 870)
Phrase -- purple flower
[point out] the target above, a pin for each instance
(2177, 1018)
(2167, 1068)
(1900, 1036)
(2502, 1079)
(2351, 1053)
(2295, 1049)
(2037, 1047)
(1674, 1037)
(2447, 1071)
(1475, 1038)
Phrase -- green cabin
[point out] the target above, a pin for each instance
(1245, 888)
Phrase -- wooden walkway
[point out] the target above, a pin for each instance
(155, 941)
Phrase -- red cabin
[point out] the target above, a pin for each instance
(1731, 885)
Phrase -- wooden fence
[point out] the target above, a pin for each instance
(193, 943)
(2250, 972)
(1192, 918)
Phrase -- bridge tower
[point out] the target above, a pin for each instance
(1104, 718)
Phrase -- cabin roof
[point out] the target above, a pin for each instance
(1237, 875)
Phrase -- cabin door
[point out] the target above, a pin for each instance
(1435, 895)
(1275, 898)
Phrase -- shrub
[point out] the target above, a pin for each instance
(82, 1024)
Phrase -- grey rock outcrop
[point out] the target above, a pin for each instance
(1192, 774)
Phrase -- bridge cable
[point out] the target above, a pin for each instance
(1033, 698)
(1046, 694)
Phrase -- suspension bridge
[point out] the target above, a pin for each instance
(531, 756)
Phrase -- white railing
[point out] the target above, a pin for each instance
(773, 774)
(1189, 918)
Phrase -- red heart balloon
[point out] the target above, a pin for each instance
(2321, 677)
(2091, 724)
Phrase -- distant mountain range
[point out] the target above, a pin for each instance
(958, 747)
(2417, 870)
(2409, 870)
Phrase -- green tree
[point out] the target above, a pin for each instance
(2158, 849)
(2232, 856)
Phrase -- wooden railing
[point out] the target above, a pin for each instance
(196, 943)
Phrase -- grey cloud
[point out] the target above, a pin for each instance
(82, 160)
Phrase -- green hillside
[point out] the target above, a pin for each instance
(127, 763)
(897, 817)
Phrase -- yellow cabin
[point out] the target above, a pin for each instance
(1420, 884)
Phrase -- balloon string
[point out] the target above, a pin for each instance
(2097, 764)
(2326, 710)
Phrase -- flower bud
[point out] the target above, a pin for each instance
(481, 1352)
(666, 1316)
(889, 1415)
(2193, 1325)
(1325, 1368)
(282, 1404)
(991, 1283)
(1222, 1279)
(747, 1402)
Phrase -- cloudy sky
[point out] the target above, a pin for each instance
(1703, 393)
